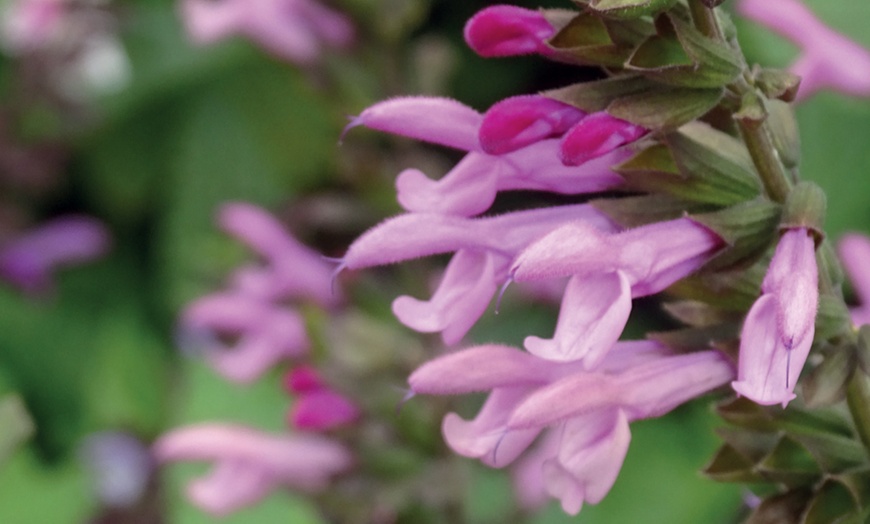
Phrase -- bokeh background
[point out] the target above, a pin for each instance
(182, 129)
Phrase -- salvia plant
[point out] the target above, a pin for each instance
(658, 202)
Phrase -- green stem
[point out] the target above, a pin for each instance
(858, 398)
(756, 136)
(705, 20)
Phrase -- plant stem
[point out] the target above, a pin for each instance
(858, 398)
(705, 20)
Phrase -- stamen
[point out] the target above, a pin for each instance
(409, 394)
(355, 121)
(341, 267)
(495, 448)
(501, 292)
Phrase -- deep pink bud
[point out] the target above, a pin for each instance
(506, 30)
(322, 410)
(519, 121)
(302, 379)
(597, 135)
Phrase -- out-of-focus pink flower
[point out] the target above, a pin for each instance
(592, 408)
(828, 59)
(32, 24)
(317, 407)
(249, 464)
(28, 261)
(291, 270)
(295, 30)
(778, 330)
(120, 467)
(260, 334)
(855, 254)
(507, 30)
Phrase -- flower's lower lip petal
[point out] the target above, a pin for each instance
(496, 448)
(467, 190)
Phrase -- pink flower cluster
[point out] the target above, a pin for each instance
(265, 331)
(581, 386)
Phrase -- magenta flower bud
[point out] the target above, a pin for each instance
(519, 121)
(854, 252)
(295, 30)
(828, 60)
(249, 464)
(322, 410)
(778, 330)
(302, 379)
(506, 30)
(29, 260)
(596, 135)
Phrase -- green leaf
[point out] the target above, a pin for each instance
(646, 209)
(663, 108)
(748, 229)
(596, 95)
(830, 503)
(779, 509)
(586, 39)
(826, 384)
(729, 465)
(629, 9)
(789, 463)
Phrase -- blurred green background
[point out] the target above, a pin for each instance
(199, 126)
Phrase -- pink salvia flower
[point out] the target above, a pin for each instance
(519, 121)
(778, 330)
(828, 59)
(291, 270)
(608, 268)
(295, 30)
(635, 380)
(854, 252)
(471, 186)
(28, 261)
(597, 135)
(264, 334)
(249, 464)
(484, 249)
(506, 30)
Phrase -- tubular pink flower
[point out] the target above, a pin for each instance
(778, 331)
(593, 448)
(593, 314)
(249, 464)
(828, 59)
(440, 121)
(471, 186)
(597, 135)
(519, 121)
(29, 260)
(854, 252)
(265, 334)
(506, 30)
(635, 380)
(484, 248)
(652, 257)
(292, 270)
(295, 30)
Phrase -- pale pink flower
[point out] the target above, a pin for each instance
(471, 186)
(855, 254)
(260, 334)
(291, 271)
(249, 464)
(590, 409)
(295, 30)
(778, 330)
(828, 60)
(32, 24)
